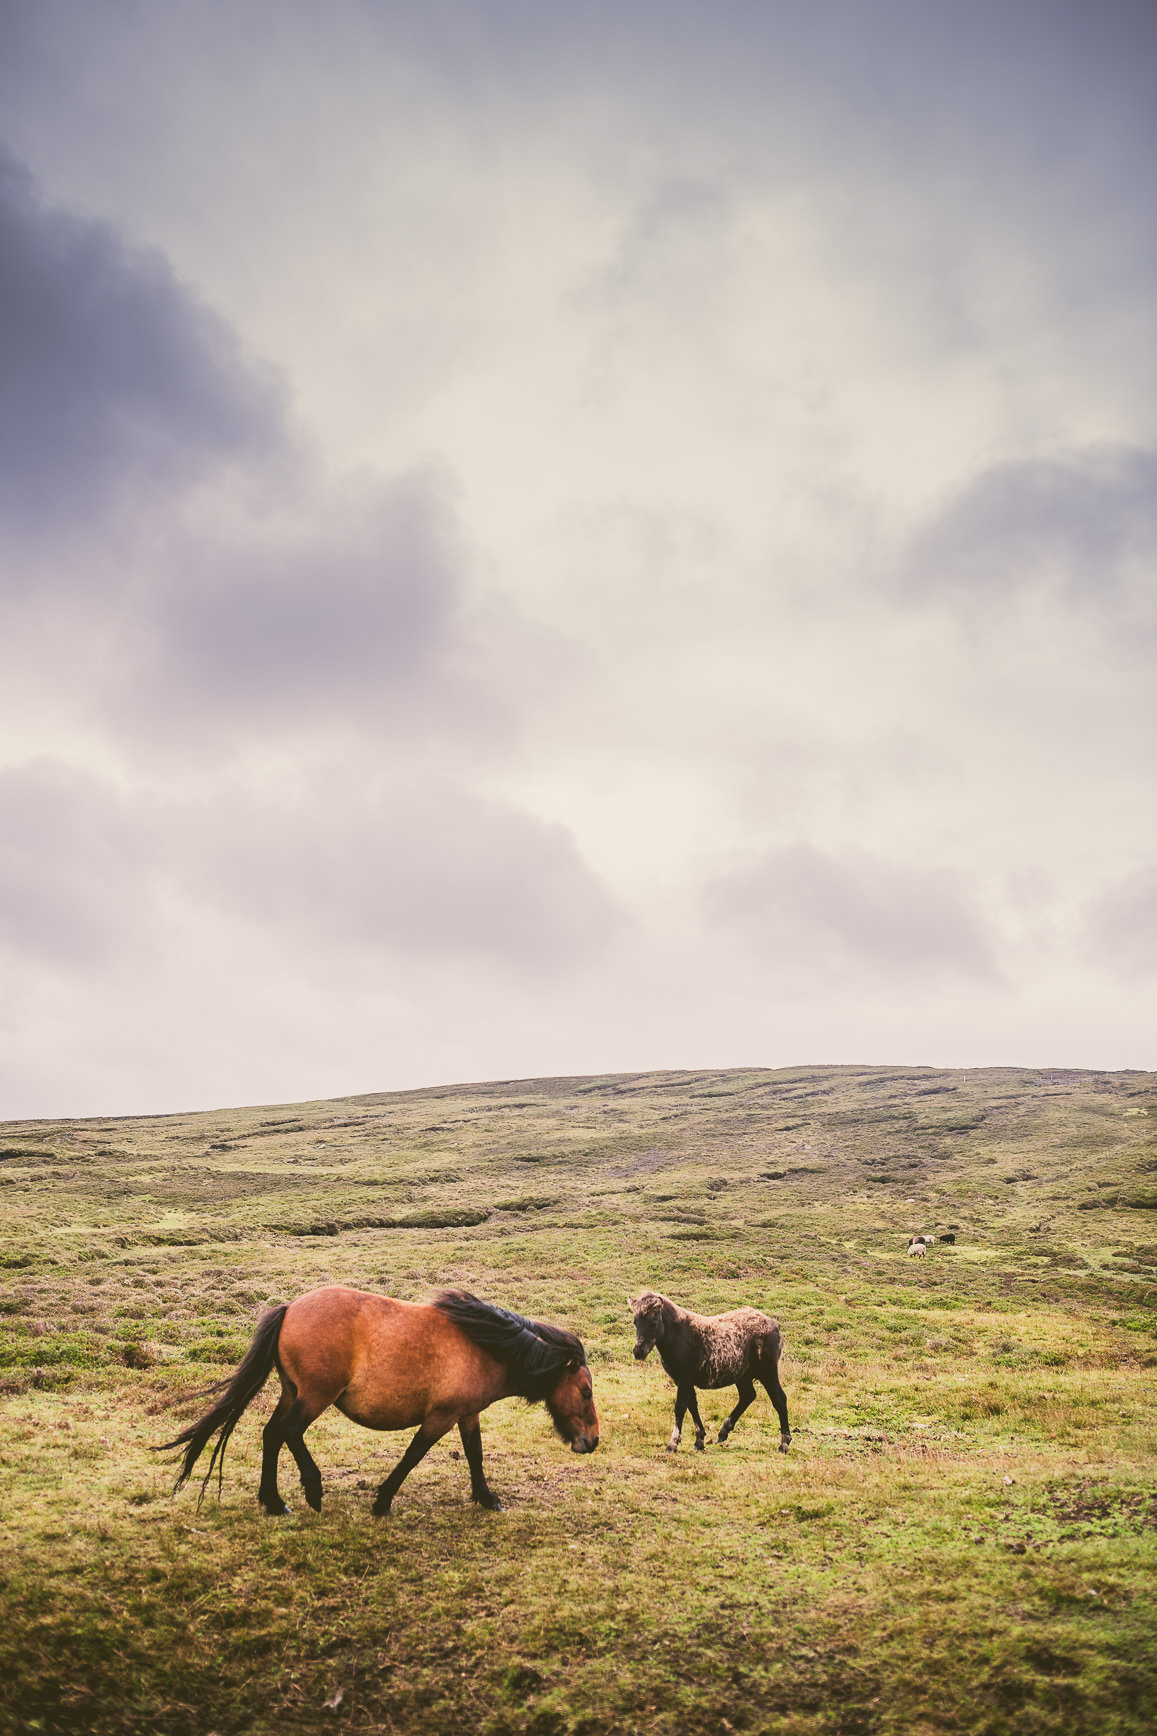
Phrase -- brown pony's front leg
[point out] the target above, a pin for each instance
(480, 1490)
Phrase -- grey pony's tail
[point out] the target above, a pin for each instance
(237, 1394)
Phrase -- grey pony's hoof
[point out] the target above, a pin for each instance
(672, 1447)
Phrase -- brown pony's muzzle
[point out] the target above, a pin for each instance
(572, 1406)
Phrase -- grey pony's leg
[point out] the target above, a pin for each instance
(413, 1455)
(778, 1398)
(700, 1431)
(746, 1397)
(681, 1402)
(480, 1490)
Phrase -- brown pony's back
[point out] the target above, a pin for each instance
(385, 1364)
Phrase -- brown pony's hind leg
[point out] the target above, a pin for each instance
(272, 1438)
(480, 1490)
(286, 1427)
(296, 1424)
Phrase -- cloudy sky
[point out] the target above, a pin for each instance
(541, 538)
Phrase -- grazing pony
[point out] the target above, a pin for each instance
(395, 1365)
(917, 1248)
(712, 1350)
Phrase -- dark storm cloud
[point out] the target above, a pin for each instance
(155, 502)
(800, 906)
(1084, 525)
(114, 379)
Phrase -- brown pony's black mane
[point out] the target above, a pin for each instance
(535, 1353)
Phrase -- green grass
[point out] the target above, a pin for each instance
(963, 1537)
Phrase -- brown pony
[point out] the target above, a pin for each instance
(394, 1365)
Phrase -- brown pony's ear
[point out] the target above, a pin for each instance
(631, 1303)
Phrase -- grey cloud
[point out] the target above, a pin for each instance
(1084, 524)
(114, 378)
(157, 504)
(75, 867)
(1121, 925)
(352, 608)
(434, 870)
(802, 907)
(350, 874)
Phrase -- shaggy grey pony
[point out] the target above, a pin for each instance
(711, 1350)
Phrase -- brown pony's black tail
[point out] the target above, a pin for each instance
(236, 1395)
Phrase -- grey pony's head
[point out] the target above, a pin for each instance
(648, 1310)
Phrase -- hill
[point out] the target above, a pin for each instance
(962, 1538)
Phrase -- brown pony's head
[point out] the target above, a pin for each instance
(648, 1310)
(571, 1403)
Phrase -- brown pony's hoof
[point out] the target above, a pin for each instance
(381, 1509)
(700, 1444)
(785, 1443)
(490, 1503)
(278, 1512)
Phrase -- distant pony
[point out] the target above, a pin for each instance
(711, 1351)
(917, 1248)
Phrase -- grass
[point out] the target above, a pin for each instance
(963, 1537)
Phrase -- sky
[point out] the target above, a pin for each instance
(541, 540)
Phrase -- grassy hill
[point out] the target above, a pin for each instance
(963, 1537)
